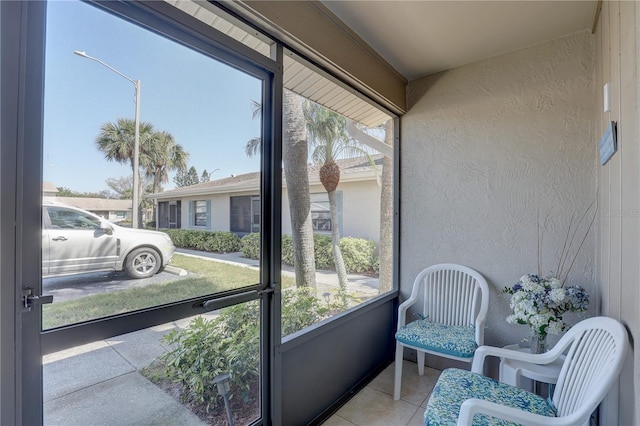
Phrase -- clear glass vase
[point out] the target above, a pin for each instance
(538, 343)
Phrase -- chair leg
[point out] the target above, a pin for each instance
(397, 378)
(421, 363)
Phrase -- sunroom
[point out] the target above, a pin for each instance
(479, 122)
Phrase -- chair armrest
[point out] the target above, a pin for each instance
(479, 330)
(474, 406)
(484, 351)
(402, 311)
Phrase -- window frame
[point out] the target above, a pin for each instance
(316, 230)
(195, 212)
(250, 216)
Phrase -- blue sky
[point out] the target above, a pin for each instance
(204, 104)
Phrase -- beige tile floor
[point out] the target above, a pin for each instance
(374, 405)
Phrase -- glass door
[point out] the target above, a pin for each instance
(148, 324)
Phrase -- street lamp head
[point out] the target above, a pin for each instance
(81, 53)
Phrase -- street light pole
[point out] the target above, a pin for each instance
(136, 162)
(136, 140)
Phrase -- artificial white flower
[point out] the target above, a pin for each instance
(532, 287)
(512, 319)
(557, 295)
(555, 327)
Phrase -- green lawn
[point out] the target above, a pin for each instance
(211, 277)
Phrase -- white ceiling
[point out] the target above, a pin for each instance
(419, 38)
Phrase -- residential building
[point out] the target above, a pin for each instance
(233, 203)
(107, 208)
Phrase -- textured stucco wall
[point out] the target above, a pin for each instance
(485, 148)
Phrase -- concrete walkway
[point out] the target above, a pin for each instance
(100, 383)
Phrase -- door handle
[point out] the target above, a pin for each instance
(29, 299)
(60, 238)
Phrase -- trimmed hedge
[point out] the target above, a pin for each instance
(216, 242)
(250, 246)
(358, 253)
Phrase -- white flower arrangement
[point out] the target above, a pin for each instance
(541, 302)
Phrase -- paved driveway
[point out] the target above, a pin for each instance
(76, 286)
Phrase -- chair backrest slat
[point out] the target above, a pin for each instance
(451, 296)
(594, 359)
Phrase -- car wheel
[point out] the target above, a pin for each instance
(142, 263)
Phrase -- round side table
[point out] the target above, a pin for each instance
(512, 372)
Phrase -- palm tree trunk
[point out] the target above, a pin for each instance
(386, 217)
(157, 176)
(338, 261)
(294, 158)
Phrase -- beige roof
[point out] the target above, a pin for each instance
(48, 187)
(94, 204)
(354, 169)
(237, 183)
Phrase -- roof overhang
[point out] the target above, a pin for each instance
(301, 76)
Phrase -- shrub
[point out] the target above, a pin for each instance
(287, 250)
(208, 348)
(323, 252)
(229, 343)
(217, 242)
(176, 236)
(196, 239)
(358, 254)
(223, 242)
(250, 246)
(300, 309)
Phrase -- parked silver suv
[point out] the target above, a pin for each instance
(75, 241)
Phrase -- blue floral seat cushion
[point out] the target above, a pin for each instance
(455, 386)
(447, 339)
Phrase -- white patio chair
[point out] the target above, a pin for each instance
(596, 351)
(453, 309)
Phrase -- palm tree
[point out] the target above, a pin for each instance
(253, 146)
(163, 154)
(294, 158)
(386, 196)
(116, 141)
(328, 137)
(386, 216)
(158, 151)
(295, 152)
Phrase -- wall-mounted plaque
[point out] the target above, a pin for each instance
(608, 143)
